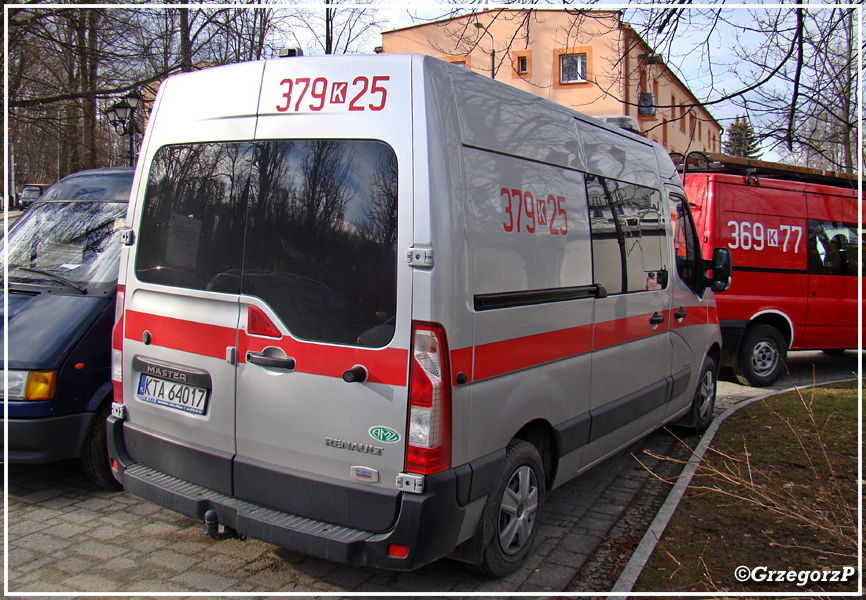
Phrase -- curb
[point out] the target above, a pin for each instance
(639, 559)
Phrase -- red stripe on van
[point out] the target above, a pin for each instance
(461, 362)
(695, 315)
(186, 336)
(621, 331)
(498, 358)
(388, 366)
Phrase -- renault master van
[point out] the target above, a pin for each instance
(373, 307)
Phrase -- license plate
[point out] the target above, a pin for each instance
(179, 396)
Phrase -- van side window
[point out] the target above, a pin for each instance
(192, 224)
(628, 235)
(685, 241)
(833, 249)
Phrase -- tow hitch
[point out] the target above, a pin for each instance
(211, 528)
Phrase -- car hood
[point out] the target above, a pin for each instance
(44, 327)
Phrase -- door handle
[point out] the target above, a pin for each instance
(657, 319)
(680, 314)
(257, 358)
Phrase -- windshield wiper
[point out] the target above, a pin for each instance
(56, 277)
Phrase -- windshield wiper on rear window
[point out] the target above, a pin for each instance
(56, 277)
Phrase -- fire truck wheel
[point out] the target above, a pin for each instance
(761, 358)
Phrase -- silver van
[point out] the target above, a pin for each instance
(372, 308)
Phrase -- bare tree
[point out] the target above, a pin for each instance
(808, 113)
(795, 67)
(335, 29)
(66, 65)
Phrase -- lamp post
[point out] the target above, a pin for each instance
(120, 115)
(492, 50)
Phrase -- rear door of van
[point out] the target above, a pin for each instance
(266, 276)
(183, 284)
(325, 304)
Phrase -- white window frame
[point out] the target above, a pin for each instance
(582, 76)
(525, 64)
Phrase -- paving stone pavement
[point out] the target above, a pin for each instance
(66, 535)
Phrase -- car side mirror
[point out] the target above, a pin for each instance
(722, 267)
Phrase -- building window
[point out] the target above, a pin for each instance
(464, 60)
(521, 64)
(572, 68)
(682, 118)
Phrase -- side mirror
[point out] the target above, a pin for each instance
(722, 267)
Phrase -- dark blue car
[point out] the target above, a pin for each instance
(63, 256)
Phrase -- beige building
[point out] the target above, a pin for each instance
(592, 62)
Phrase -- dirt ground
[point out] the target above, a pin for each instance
(777, 490)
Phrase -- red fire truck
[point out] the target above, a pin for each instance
(794, 236)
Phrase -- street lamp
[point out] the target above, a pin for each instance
(492, 50)
(120, 115)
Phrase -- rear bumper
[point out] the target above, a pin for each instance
(49, 439)
(431, 525)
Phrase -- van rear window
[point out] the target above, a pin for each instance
(308, 226)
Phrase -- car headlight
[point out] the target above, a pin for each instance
(30, 385)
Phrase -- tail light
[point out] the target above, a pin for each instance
(428, 448)
(117, 345)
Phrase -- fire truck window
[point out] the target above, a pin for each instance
(833, 249)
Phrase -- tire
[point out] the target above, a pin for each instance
(94, 455)
(761, 357)
(512, 515)
(700, 414)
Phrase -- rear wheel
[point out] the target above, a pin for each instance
(761, 358)
(512, 515)
(94, 455)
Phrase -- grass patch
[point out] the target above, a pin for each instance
(777, 488)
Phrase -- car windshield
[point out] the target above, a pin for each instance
(67, 244)
(31, 193)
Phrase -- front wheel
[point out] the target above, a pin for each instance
(761, 358)
(704, 402)
(512, 515)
